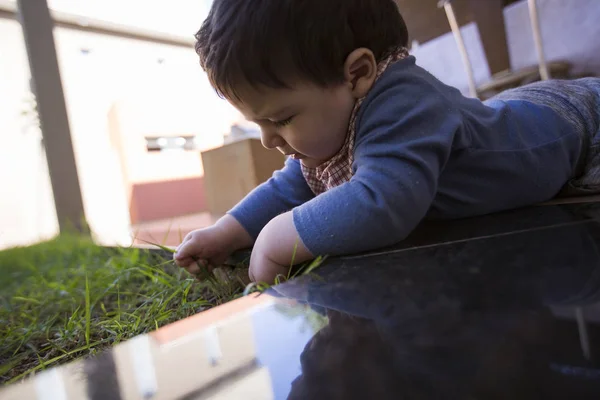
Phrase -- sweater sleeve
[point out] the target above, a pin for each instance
(285, 190)
(404, 138)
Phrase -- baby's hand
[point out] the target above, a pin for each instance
(211, 246)
(277, 247)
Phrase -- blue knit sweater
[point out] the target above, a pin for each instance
(424, 150)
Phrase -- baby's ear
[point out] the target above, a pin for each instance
(360, 71)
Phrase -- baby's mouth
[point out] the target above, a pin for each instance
(292, 154)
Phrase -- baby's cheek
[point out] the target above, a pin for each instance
(333, 143)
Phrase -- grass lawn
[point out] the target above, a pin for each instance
(68, 298)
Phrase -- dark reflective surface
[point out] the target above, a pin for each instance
(497, 307)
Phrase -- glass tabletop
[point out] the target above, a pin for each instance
(502, 306)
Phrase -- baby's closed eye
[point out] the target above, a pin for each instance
(283, 122)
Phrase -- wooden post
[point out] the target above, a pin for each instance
(447, 4)
(37, 26)
(537, 36)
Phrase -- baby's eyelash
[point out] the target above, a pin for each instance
(282, 123)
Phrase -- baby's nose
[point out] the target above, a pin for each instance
(271, 140)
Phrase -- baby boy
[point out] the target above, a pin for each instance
(376, 144)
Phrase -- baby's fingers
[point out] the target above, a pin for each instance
(183, 262)
(197, 266)
(194, 268)
(188, 250)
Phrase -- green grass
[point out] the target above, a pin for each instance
(67, 298)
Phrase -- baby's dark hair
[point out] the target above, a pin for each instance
(272, 43)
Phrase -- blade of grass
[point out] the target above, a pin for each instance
(153, 277)
(118, 303)
(27, 300)
(293, 258)
(88, 311)
(160, 246)
(186, 291)
(53, 360)
(310, 266)
(72, 319)
(162, 265)
(168, 299)
(156, 269)
(167, 231)
(134, 237)
(41, 362)
(18, 348)
(251, 288)
(316, 263)
(256, 287)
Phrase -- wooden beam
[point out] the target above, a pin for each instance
(37, 28)
(92, 25)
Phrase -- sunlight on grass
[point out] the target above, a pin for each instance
(68, 298)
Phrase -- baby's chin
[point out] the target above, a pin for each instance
(307, 161)
(311, 162)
